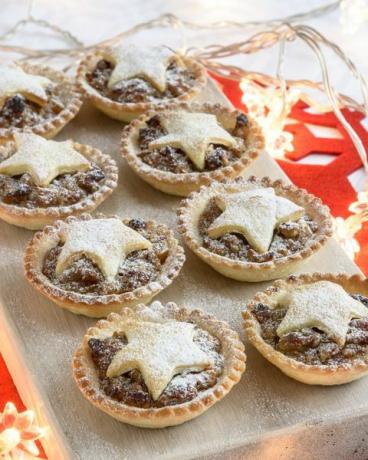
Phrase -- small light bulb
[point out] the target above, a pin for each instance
(353, 14)
(9, 439)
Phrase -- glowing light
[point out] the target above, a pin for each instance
(18, 434)
(353, 14)
(361, 205)
(270, 109)
(344, 230)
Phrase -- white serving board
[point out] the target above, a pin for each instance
(266, 416)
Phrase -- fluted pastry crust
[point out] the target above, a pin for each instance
(128, 111)
(310, 374)
(94, 305)
(191, 209)
(185, 183)
(232, 350)
(37, 218)
(49, 128)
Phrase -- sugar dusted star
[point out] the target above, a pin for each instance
(193, 133)
(14, 80)
(43, 159)
(324, 305)
(255, 214)
(106, 242)
(159, 351)
(147, 62)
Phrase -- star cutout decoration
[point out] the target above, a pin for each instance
(160, 351)
(104, 241)
(324, 305)
(147, 62)
(192, 132)
(43, 159)
(13, 80)
(255, 214)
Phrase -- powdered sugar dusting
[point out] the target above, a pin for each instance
(192, 132)
(14, 80)
(324, 305)
(159, 351)
(287, 210)
(149, 62)
(105, 241)
(43, 159)
(263, 401)
(254, 214)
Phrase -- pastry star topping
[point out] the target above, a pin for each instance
(254, 214)
(149, 63)
(324, 305)
(42, 159)
(192, 132)
(105, 241)
(159, 351)
(13, 80)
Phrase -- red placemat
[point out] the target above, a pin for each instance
(8, 392)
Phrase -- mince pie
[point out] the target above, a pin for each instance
(127, 80)
(43, 180)
(313, 327)
(255, 229)
(37, 99)
(95, 265)
(158, 366)
(178, 150)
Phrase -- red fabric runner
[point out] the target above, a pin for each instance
(329, 182)
(8, 392)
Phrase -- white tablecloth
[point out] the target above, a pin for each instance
(92, 21)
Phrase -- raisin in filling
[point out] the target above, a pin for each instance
(179, 81)
(130, 388)
(64, 190)
(19, 112)
(138, 269)
(310, 345)
(289, 237)
(172, 159)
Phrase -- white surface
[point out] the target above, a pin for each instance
(92, 21)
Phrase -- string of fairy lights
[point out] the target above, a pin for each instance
(269, 98)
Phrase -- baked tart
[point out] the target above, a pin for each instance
(313, 327)
(125, 81)
(158, 366)
(36, 98)
(43, 180)
(95, 265)
(178, 150)
(254, 229)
